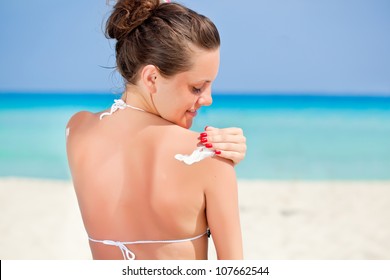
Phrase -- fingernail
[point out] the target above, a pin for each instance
(203, 134)
(208, 145)
(203, 139)
(206, 127)
(217, 152)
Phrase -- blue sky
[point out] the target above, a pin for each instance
(273, 46)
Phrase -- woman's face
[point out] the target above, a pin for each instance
(179, 97)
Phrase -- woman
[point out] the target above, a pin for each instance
(140, 193)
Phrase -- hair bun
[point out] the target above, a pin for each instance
(127, 15)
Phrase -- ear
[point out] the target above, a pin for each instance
(148, 77)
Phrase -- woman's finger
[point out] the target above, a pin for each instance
(233, 156)
(228, 130)
(228, 147)
(226, 135)
(226, 138)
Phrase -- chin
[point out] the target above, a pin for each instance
(186, 124)
(189, 124)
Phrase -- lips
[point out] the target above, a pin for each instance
(192, 112)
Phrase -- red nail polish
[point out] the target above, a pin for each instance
(203, 139)
(208, 145)
(203, 134)
(217, 152)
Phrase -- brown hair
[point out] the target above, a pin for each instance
(161, 34)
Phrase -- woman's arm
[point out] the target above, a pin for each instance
(230, 143)
(222, 209)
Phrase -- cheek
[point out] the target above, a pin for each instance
(173, 101)
(178, 112)
(170, 107)
(180, 105)
(183, 100)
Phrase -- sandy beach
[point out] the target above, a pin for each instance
(280, 220)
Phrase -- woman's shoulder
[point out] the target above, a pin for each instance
(79, 121)
(79, 127)
(79, 118)
(179, 139)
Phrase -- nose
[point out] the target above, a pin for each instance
(205, 99)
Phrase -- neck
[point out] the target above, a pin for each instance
(136, 97)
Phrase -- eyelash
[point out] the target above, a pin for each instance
(196, 90)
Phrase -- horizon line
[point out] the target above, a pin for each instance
(215, 93)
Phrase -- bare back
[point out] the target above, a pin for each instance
(130, 187)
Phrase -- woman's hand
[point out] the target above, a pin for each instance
(229, 143)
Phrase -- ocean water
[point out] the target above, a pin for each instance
(288, 137)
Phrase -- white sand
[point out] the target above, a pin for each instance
(280, 220)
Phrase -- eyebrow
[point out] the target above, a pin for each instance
(203, 81)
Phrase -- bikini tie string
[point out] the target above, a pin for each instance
(127, 254)
(119, 104)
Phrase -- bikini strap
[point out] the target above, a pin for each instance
(129, 255)
(119, 104)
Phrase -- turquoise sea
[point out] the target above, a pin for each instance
(289, 137)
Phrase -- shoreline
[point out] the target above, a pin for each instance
(279, 219)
